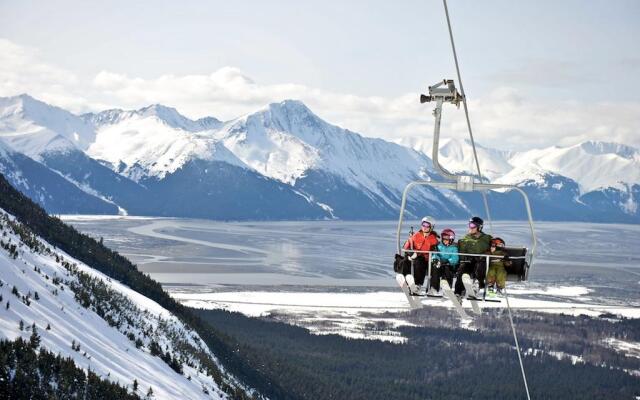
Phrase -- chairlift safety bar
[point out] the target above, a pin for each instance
(461, 254)
(474, 186)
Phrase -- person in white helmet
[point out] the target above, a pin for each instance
(422, 241)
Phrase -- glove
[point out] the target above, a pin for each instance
(506, 257)
(414, 256)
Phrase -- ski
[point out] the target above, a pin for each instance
(412, 284)
(413, 303)
(496, 298)
(448, 293)
(471, 294)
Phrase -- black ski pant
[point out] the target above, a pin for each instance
(441, 270)
(419, 269)
(476, 267)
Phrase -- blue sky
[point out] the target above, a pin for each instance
(359, 64)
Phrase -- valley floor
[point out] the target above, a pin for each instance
(357, 313)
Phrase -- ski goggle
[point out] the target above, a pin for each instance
(497, 244)
(449, 238)
(426, 225)
(472, 225)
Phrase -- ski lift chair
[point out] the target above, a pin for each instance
(521, 257)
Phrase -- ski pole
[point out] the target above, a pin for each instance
(411, 247)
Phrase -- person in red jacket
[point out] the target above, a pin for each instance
(423, 240)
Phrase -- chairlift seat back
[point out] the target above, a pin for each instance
(518, 271)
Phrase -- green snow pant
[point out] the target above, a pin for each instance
(497, 274)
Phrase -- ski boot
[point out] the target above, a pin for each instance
(491, 292)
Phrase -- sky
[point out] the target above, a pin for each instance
(535, 73)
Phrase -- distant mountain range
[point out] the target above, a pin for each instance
(284, 162)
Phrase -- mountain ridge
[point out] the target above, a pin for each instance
(337, 173)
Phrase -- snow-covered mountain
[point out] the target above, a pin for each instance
(33, 127)
(353, 176)
(587, 181)
(284, 162)
(456, 155)
(49, 187)
(153, 141)
(101, 324)
(593, 165)
(168, 115)
(151, 161)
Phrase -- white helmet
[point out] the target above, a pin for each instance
(430, 220)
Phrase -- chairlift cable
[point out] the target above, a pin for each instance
(515, 338)
(484, 195)
(466, 113)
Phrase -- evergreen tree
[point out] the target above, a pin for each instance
(155, 349)
(34, 340)
(27, 374)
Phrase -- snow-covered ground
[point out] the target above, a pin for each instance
(630, 349)
(352, 312)
(102, 348)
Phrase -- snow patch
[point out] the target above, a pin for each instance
(629, 349)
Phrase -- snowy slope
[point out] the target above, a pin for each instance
(168, 115)
(153, 141)
(60, 283)
(49, 188)
(33, 127)
(456, 155)
(593, 165)
(286, 140)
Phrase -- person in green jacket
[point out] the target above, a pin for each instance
(474, 242)
(497, 275)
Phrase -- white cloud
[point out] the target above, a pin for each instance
(505, 118)
(21, 71)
